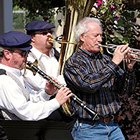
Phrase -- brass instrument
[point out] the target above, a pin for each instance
(35, 63)
(111, 47)
(92, 113)
(60, 41)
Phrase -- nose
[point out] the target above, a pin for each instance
(100, 38)
(49, 34)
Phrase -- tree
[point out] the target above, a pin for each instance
(36, 8)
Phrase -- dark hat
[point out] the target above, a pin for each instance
(38, 25)
(15, 39)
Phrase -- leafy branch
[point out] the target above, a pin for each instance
(119, 23)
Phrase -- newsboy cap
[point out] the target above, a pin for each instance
(15, 39)
(38, 25)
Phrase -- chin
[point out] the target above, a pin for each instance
(49, 47)
(96, 51)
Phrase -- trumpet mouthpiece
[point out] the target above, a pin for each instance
(50, 39)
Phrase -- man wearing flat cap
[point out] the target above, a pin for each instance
(17, 100)
(45, 54)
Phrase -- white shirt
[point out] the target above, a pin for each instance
(13, 99)
(48, 64)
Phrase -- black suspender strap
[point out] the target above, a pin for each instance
(2, 71)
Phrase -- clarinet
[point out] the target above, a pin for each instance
(92, 113)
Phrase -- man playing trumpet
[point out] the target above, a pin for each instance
(47, 59)
(98, 80)
(42, 51)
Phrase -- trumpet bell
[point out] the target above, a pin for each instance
(111, 47)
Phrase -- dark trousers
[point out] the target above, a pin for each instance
(58, 115)
(3, 135)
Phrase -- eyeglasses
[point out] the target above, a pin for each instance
(44, 32)
(22, 53)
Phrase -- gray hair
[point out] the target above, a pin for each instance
(5, 48)
(1, 51)
(81, 27)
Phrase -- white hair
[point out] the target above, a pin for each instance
(81, 27)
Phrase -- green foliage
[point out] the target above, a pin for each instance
(16, 7)
(18, 23)
(39, 8)
(118, 22)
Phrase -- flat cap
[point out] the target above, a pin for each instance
(15, 39)
(38, 25)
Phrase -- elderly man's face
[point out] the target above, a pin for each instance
(92, 38)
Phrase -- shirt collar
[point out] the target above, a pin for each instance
(38, 54)
(92, 55)
(11, 70)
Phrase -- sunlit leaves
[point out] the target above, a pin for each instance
(118, 21)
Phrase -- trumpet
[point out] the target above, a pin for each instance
(60, 41)
(111, 47)
(34, 68)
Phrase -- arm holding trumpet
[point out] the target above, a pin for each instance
(122, 52)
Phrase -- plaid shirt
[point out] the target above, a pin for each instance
(96, 80)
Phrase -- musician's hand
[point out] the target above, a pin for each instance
(130, 60)
(63, 95)
(119, 53)
(49, 88)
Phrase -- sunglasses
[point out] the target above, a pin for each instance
(22, 53)
(44, 32)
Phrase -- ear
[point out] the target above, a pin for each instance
(7, 54)
(82, 37)
(32, 38)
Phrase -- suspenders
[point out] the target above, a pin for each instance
(5, 113)
(2, 71)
